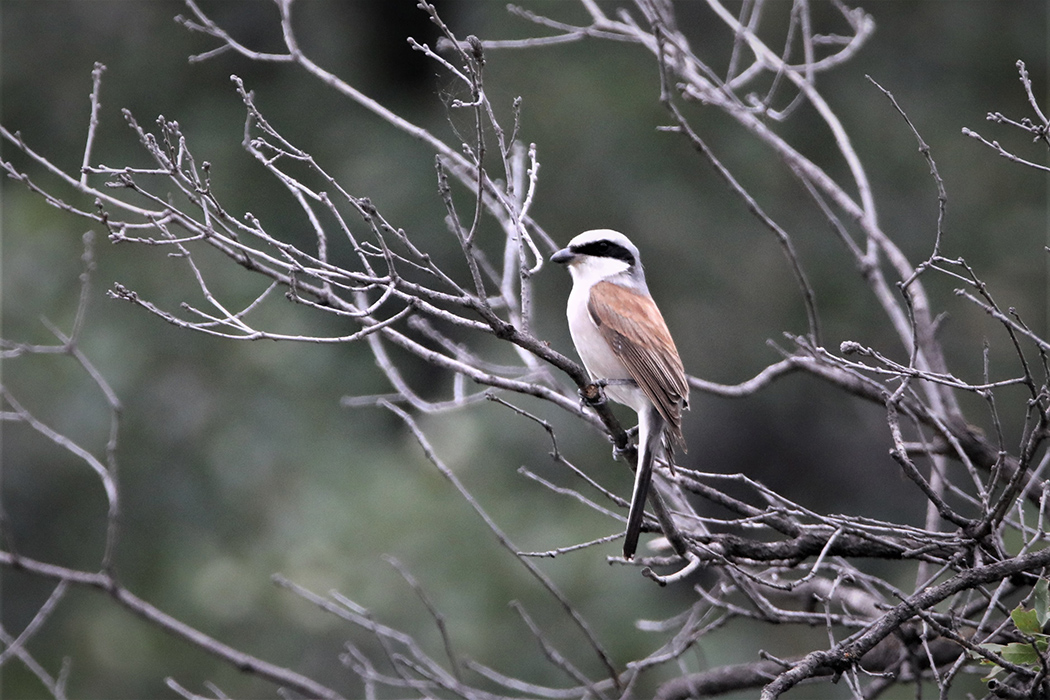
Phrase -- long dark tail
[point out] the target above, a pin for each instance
(650, 439)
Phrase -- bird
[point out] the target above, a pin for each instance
(624, 343)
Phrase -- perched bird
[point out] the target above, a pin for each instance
(624, 343)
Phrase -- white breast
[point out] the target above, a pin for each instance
(596, 354)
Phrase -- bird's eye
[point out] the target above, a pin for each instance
(604, 249)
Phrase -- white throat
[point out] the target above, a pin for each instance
(588, 271)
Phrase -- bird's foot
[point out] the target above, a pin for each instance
(629, 449)
(593, 394)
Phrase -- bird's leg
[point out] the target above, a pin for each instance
(618, 382)
(627, 452)
(594, 393)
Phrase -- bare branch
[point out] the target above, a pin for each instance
(131, 602)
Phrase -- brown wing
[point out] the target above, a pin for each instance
(639, 337)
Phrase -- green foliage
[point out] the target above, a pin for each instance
(1030, 622)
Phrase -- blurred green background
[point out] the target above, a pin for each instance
(236, 460)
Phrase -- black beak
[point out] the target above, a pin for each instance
(563, 256)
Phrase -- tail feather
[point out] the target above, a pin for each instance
(650, 438)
